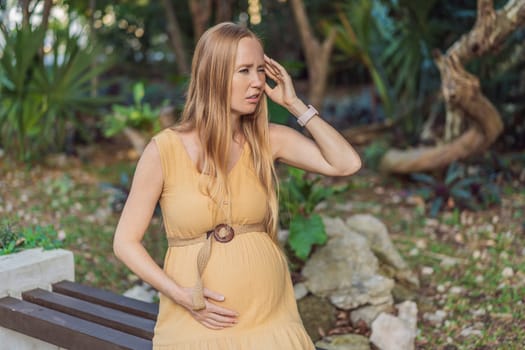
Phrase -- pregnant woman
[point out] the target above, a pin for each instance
(225, 283)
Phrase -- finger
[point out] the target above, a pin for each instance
(271, 65)
(220, 310)
(213, 295)
(222, 319)
(273, 70)
(275, 65)
(272, 75)
(210, 325)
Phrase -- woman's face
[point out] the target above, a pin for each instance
(248, 77)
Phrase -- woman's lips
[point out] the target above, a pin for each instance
(253, 99)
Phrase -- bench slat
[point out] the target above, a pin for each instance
(64, 330)
(103, 315)
(109, 299)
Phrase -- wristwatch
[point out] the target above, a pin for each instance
(306, 116)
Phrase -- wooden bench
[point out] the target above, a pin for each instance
(74, 316)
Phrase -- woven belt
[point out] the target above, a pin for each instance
(222, 233)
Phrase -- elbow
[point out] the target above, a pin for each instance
(117, 248)
(353, 167)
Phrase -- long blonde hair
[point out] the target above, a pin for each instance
(207, 110)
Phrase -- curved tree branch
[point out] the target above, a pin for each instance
(462, 92)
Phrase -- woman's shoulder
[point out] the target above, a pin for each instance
(279, 133)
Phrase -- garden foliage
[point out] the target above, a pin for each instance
(44, 89)
(299, 194)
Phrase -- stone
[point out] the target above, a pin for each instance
(392, 333)
(317, 314)
(435, 318)
(369, 313)
(402, 293)
(471, 331)
(300, 291)
(334, 227)
(374, 290)
(456, 290)
(378, 238)
(142, 292)
(507, 272)
(346, 271)
(335, 266)
(344, 342)
(282, 236)
(407, 312)
(34, 268)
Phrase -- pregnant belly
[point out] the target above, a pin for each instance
(250, 271)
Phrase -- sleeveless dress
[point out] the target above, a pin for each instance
(250, 270)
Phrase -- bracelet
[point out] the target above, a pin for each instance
(306, 116)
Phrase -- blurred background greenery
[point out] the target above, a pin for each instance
(84, 84)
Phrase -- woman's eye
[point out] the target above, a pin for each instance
(244, 70)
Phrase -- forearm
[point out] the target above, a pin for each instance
(137, 259)
(333, 146)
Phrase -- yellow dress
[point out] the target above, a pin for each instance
(250, 271)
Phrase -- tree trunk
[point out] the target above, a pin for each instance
(25, 12)
(176, 38)
(200, 16)
(462, 93)
(223, 10)
(317, 54)
(46, 12)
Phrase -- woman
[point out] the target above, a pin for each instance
(225, 282)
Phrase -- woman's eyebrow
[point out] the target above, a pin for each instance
(248, 65)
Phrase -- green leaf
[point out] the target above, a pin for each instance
(423, 178)
(138, 93)
(454, 172)
(436, 206)
(305, 233)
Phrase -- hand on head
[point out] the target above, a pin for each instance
(283, 93)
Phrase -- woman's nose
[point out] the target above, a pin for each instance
(257, 79)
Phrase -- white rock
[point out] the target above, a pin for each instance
(142, 292)
(441, 288)
(347, 206)
(479, 278)
(456, 290)
(479, 312)
(392, 333)
(469, 331)
(369, 313)
(282, 236)
(427, 270)
(507, 272)
(435, 318)
(300, 291)
(407, 312)
(421, 244)
(448, 262)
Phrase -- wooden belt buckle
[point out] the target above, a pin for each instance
(222, 233)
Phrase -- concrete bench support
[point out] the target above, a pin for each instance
(34, 268)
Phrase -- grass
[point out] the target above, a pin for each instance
(470, 253)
